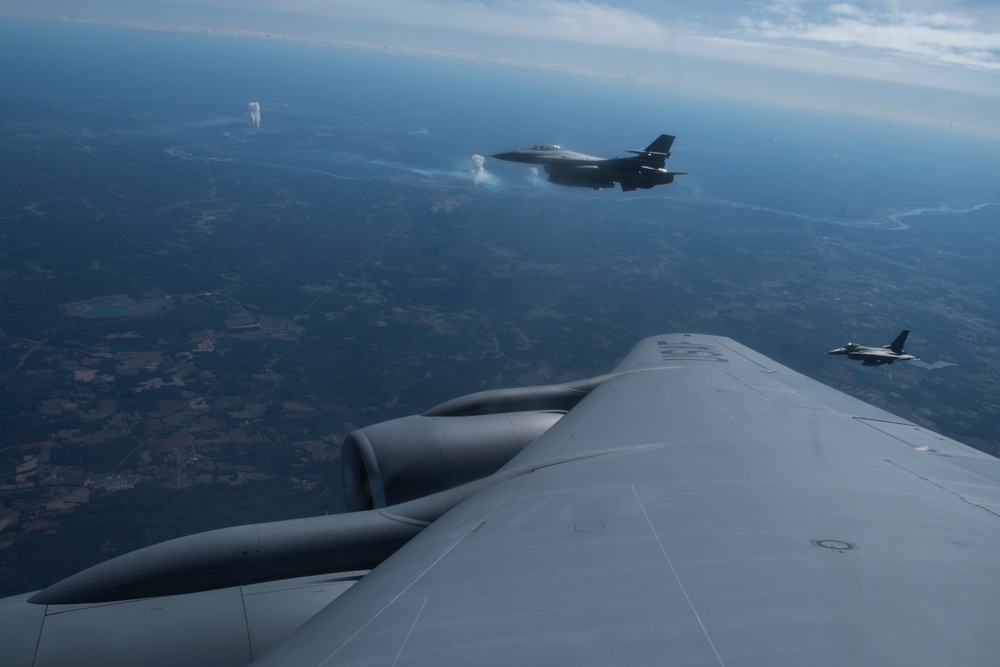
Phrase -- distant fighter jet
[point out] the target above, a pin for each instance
(877, 356)
(564, 167)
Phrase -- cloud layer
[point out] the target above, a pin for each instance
(872, 56)
(940, 38)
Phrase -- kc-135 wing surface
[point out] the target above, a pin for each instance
(707, 506)
(700, 505)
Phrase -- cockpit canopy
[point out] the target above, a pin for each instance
(545, 147)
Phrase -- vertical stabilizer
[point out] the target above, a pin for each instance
(897, 345)
(661, 145)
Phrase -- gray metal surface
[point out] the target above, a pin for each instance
(734, 513)
(219, 628)
(20, 623)
(701, 505)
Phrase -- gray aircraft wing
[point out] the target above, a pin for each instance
(705, 506)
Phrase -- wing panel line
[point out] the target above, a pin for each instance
(590, 410)
(677, 578)
(743, 356)
(943, 488)
(721, 408)
(427, 569)
(246, 623)
(412, 626)
(521, 478)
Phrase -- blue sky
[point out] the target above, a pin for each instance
(929, 61)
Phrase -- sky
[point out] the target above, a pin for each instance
(930, 61)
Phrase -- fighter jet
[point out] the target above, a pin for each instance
(644, 170)
(877, 356)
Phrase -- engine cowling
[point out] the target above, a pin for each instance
(411, 457)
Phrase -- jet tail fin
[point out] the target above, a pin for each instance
(897, 345)
(661, 145)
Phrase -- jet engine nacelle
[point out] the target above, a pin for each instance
(412, 457)
(225, 596)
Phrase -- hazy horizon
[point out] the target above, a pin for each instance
(935, 63)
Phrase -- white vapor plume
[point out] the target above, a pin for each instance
(254, 108)
(534, 175)
(476, 168)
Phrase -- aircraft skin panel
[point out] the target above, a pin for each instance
(209, 624)
(223, 628)
(708, 507)
(275, 609)
(19, 630)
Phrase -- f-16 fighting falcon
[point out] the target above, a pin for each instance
(644, 170)
(877, 356)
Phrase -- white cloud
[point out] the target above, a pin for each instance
(599, 24)
(840, 52)
(932, 37)
(788, 10)
(578, 21)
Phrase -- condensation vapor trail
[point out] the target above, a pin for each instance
(254, 108)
